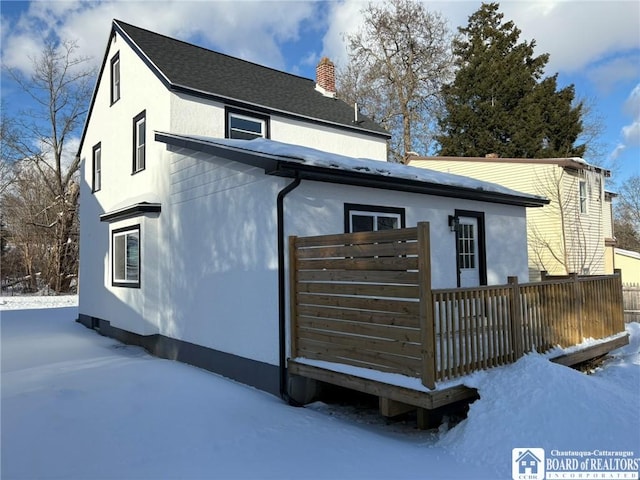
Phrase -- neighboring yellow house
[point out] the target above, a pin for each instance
(629, 263)
(574, 233)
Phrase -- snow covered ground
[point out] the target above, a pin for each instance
(76, 405)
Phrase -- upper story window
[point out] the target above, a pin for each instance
(125, 254)
(139, 141)
(115, 78)
(583, 196)
(370, 218)
(96, 166)
(246, 125)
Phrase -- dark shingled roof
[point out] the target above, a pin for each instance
(183, 66)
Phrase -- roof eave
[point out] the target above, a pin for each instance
(362, 179)
(284, 167)
(561, 162)
(266, 109)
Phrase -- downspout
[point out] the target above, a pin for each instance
(282, 293)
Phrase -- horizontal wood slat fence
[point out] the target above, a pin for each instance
(365, 299)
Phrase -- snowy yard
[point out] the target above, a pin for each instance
(76, 405)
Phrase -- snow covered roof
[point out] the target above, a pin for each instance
(283, 159)
(627, 253)
(572, 162)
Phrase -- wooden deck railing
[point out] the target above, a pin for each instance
(365, 299)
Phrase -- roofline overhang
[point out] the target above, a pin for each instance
(570, 162)
(130, 211)
(284, 167)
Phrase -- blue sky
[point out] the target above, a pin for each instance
(593, 44)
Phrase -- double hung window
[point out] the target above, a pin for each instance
(115, 78)
(139, 142)
(583, 196)
(96, 162)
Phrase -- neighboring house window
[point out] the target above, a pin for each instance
(246, 125)
(125, 253)
(97, 167)
(583, 196)
(139, 141)
(367, 218)
(115, 78)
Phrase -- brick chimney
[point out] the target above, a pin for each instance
(326, 77)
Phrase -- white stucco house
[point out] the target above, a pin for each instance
(197, 166)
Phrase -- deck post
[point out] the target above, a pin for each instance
(577, 336)
(516, 318)
(618, 301)
(427, 332)
(293, 295)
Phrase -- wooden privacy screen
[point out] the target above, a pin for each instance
(357, 299)
(365, 299)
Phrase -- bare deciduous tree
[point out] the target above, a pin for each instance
(397, 65)
(627, 214)
(59, 88)
(560, 240)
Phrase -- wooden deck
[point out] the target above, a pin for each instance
(365, 300)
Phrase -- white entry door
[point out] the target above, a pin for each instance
(468, 265)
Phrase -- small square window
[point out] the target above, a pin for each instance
(139, 142)
(125, 254)
(96, 161)
(115, 78)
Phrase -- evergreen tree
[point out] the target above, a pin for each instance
(499, 102)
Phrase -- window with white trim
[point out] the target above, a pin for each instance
(245, 125)
(96, 162)
(125, 255)
(115, 78)
(370, 218)
(139, 141)
(583, 196)
(466, 246)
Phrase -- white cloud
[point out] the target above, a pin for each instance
(608, 74)
(632, 104)
(344, 18)
(631, 132)
(250, 30)
(577, 33)
(616, 152)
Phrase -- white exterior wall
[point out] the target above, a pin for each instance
(221, 243)
(209, 259)
(134, 309)
(197, 116)
(322, 137)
